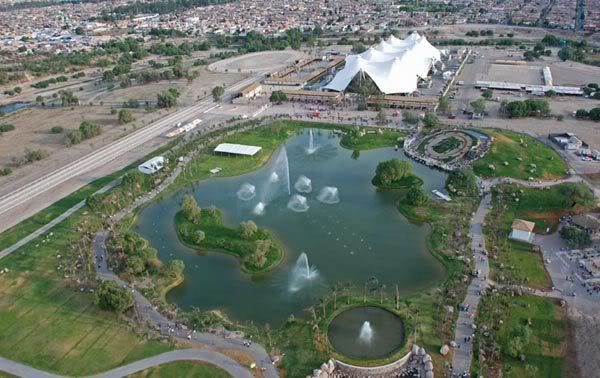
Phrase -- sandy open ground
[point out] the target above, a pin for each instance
(515, 74)
(265, 60)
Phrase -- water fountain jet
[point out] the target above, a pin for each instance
(259, 209)
(366, 333)
(329, 195)
(303, 184)
(246, 192)
(298, 204)
(302, 273)
(311, 143)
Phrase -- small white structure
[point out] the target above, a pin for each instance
(237, 149)
(522, 230)
(153, 165)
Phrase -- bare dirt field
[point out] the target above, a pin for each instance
(515, 74)
(573, 73)
(260, 61)
(33, 124)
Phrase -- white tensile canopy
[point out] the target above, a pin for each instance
(395, 65)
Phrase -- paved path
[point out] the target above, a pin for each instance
(461, 360)
(215, 358)
(151, 314)
(45, 228)
(22, 370)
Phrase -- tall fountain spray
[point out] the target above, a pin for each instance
(278, 179)
(366, 333)
(311, 143)
(302, 273)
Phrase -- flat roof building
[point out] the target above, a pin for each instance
(237, 149)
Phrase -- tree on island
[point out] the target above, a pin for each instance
(416, 196)
(190, 208)
(391, 171)
(248, 229)
(110, 296)
(174, 268)
(199, 236)
(259, 257)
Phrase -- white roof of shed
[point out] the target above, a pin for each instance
(237, 149)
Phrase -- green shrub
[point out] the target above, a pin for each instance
(5, 171)
(35, 155)
(56, 130)
(6, 127)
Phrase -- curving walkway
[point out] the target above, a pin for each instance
(215, 358)
(151, 314)
(461, 359)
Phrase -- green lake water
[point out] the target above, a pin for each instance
(360, 237)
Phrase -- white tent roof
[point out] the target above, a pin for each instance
(237, 149)
(395, 65)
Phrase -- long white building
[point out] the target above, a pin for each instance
(395, 65)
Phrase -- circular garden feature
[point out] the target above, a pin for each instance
(366, 332)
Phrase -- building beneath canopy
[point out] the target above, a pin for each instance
(395, 65)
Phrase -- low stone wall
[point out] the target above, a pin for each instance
(416, 363)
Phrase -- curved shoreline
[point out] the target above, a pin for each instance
(239, 259)
(293, 126)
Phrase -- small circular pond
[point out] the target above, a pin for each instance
(366, 332)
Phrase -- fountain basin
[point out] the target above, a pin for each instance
(346, 332)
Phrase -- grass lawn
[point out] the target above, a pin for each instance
(369, 141)
(547, 347)
(46, 324)
(542, 206)
(506, 147)
(447, 145)
(196, 369)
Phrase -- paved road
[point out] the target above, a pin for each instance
(109, 152)
(45, 228)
